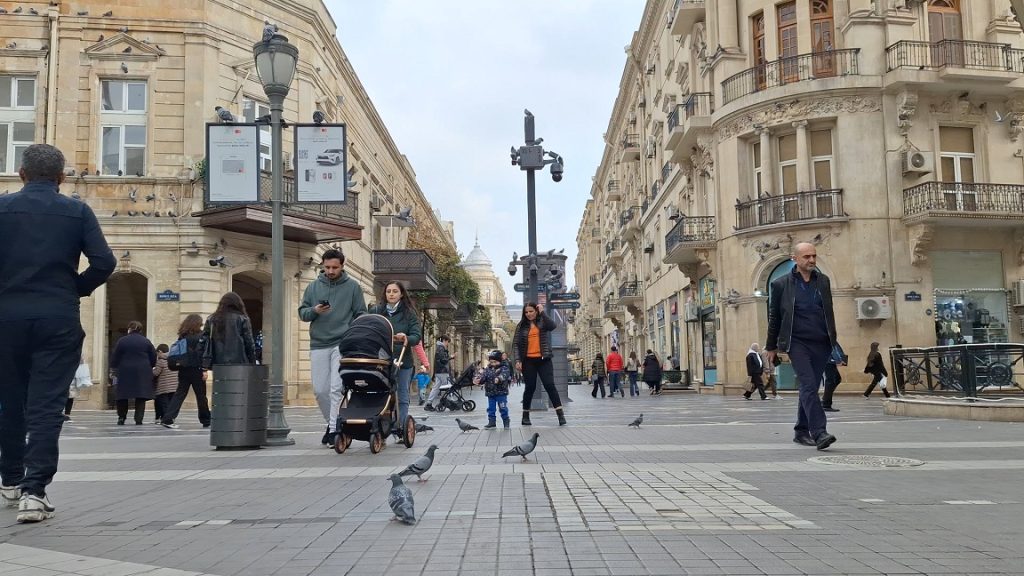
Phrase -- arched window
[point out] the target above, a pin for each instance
(945, 32)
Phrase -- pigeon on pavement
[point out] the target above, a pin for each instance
(465, 427)
(421, 465)
(636, 423)
(524, 448)
(400, 500)
(424, 428)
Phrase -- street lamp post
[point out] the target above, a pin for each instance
(275, 64)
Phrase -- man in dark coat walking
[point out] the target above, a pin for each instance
(42, 237)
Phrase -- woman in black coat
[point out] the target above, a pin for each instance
(652, 372)
(133, 360)
(230, 331)
(875, 367)
(597, 374)
(532, 348)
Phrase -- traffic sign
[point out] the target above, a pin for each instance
(565, 296)
(565, 305)
(524, 287)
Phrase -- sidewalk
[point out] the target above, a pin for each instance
(708, 485)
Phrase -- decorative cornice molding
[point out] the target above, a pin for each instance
(797, 109)
(141, 51)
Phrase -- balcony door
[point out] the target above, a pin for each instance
(757, 25)
(822, 42)
(945, 31)
(956, 161)
(789, 69)
(790, 209)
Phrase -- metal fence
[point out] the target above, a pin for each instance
(961, 370)
(347, 212)
(631, 289)
(789, 70)
(963, 197)
(954, 54)
(691, 229)
(790, 208)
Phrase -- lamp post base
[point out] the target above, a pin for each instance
(277, 426)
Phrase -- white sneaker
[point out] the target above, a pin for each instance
(33, 508)
(10, 495)
(172, 426)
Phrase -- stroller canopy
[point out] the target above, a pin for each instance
(368, 336)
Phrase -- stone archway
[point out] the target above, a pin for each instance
(254, 288)
(127, 300)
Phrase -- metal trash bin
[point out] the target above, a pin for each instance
(239, 412)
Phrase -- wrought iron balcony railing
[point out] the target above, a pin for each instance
(655, 188)
(631, 289)
(630, 141)
(691, 229)
(628, 215)
(954, 54)
(612, 246)
(789, 70)
(968, 199)
(666, 170)
(348, 212)
(414, 267)
(612, 186)
(790, 208)
(960, 370)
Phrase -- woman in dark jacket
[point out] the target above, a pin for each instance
(597, 374)
(133, 360)
(190, 375)
(397, 307)
(230, 332)
(875, 367)
(652, 372)
(532, 349)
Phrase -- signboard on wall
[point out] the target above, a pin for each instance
(320, 163)
(232, 164)
(707, 293)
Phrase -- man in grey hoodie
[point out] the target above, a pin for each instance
(329, 304)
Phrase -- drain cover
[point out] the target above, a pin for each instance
(867, 461)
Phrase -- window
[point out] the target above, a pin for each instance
(788, 50)
(956, 162)
(787, 177)
(123, 127)
(755, 152)
(945, 30)
(757, 26)
(822, 42)
(17, 120)
(251, 110)
(821, 159)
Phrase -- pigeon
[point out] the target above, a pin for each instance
(12, 45)
(465, 427)
(33, 11)
(150, 197)
(114, 213)
(108, 13)
(85, 172)
(133, 213)
(120, 172)
(424, 428)
(421, 465)
(147, 214)
(17, 10)
(318, 117)
(83, 12)
(76, 195)
(172, 197)
(268, 30)
(224, 114)
(400, 500)
(100, 39)
(3, 10)
(127, 50)
(636, 423)
(524, 448)
(132, 194)
(124, 67)
(123, 29)
(156, 214)
(172, 214)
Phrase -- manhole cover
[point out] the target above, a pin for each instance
(867, 461)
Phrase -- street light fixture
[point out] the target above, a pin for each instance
(275, 63)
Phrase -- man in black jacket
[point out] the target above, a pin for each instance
(802, 324)
(42, 237)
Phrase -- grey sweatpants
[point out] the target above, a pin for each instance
(326, 382)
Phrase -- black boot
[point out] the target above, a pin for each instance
(507, 422)
(561, 416)
(327, 437)
(526, 419)
(490, 423)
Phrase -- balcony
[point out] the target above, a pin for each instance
(688, 236)
(689, 119)
(414, 268)
(655, 189)
(961, 60)
(441, 302)
(790, 70)
(686, 13)
(629, 220)
(612, 250)
(614, 192)
(631, 293)
(595, 235)
(309, 223)
(630, 148)
(613, 311)
(964, 204)
(595, 324)
(791, 209)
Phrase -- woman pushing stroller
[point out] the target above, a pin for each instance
(397, 307)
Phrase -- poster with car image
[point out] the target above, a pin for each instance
(232, 164)
(320, 163)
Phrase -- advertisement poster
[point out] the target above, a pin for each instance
(232, 153)
(320, 163)
(707, 293)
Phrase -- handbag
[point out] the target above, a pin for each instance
(207, 347)
(884, 383)
(83, 377)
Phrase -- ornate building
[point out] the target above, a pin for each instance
(885, 132)
(492, 295)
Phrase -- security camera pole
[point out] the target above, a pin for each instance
(531, 158)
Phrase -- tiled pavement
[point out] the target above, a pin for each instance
(709, 485)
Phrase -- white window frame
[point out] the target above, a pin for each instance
(261, 108)
(121, 119)
(966, 199)
(17, 114)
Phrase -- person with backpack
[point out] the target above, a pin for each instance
(188, 363)
(633, 372)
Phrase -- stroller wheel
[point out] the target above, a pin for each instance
(341, 443)
(410, 432)
(376, 442)
(468, 406)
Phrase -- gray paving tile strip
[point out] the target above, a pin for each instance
(710, 485)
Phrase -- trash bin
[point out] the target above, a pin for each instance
(239, 413)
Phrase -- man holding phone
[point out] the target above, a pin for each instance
(329, 304)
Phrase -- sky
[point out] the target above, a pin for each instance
(450, 79)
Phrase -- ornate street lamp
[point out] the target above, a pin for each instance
(275, 64)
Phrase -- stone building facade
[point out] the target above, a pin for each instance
(887, 133)
(126, 96)
(492, 295)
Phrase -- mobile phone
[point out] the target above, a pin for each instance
(325, 303)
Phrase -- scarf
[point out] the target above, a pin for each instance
(392, 309)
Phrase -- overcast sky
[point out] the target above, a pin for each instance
(451, 78)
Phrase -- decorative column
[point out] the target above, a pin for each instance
(803, 157)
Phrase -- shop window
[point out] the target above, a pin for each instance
(251, 111)
(956, 164)
(17, 120)
(123, 127)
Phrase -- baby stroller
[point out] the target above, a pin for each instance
(369, 407)
(451, 393)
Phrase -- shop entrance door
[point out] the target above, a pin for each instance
(785, 378)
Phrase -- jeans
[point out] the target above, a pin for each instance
(404, 377)
(599, 381)
(634, 388)
(39, 359)
(327, 385)
(501, 402)
(140, 410)
(614, 383)
(808, 360)
(161, 402)
(188, 378)
(532, 368)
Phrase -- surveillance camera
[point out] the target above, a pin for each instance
(556, 170)
(512, 270)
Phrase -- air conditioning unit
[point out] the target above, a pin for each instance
(376, 203)
(690, 311)
(649, 249)
(918, 162)
(874, 308)
(1018, 292)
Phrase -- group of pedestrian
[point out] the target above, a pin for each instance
(618, 372)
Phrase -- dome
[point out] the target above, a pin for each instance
(477, 260)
